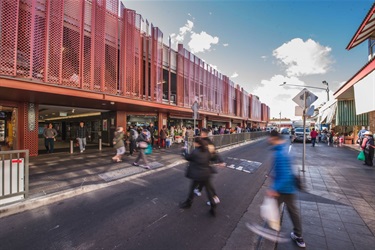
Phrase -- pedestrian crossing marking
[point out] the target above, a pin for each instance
(242, 165)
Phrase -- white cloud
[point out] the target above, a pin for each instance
(201, 42)
(234, 75)
(264, 57)
(304, 58)
(180, 37)
(225, 44)
(279, 98)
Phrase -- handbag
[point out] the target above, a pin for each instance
(361, 156)
(269, 211)
(143, 144)
(148, 149)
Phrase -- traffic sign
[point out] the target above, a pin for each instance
(300, 98)
(299, 111)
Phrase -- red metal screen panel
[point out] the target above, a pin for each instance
(98, 18)
(86, 51)
(180, 75)
(8, 37)
(111, 46)
(24, 38)
(71, 60)
(54, 42)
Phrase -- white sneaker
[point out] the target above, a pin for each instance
(84, 149)
(81, 151)
(197, 193)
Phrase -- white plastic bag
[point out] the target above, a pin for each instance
(269, 211)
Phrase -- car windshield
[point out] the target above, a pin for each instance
(301, 130)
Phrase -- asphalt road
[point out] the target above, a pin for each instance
(143, 213)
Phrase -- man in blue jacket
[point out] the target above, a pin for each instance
(284, 184)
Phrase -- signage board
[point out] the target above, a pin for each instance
(301, 96)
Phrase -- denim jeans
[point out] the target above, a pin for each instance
(82, 143)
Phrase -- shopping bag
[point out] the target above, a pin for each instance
(148, 150)
(361, 156)
(269, 211)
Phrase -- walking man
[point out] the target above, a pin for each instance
(313, 135)
(82, 133)
(284, 184)
(50, 134)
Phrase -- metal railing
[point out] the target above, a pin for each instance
(14, 175)
(225, 140)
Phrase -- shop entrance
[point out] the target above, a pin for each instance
(65, 121)
(8, 128)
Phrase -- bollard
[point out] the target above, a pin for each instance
(100, 144)
(71, 146)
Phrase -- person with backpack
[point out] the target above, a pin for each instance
(133, 138)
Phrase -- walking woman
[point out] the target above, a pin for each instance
(142, 145)
(199, 172)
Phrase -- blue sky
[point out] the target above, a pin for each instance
(261, 44)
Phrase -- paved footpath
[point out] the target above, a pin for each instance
(338, 209)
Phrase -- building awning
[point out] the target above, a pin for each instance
(366, 29)
(327, 112)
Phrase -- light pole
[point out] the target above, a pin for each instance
(280, 122)
(324, 82)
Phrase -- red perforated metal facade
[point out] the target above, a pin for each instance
(85, 45)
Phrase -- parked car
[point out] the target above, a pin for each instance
(299, 134)
(285, 131)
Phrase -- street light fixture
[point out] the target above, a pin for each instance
(324, 82)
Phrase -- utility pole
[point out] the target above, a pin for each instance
(280, 122)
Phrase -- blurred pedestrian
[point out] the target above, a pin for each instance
(199, 172)
(133, 138)
(284, 184)
(215, 161)
(81, 135)
(50, 134)
(163, 136)
(368, 147)
(151, 128)
(142, 145)
(118, 144)
(313, 135)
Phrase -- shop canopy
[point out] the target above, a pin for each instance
(365, 31)
(327, 112)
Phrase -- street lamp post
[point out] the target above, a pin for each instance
(324, 82)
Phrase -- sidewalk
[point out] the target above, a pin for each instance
(338, 209)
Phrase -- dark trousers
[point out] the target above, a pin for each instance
(50, 143)
(162, 143)
(141, 155)
(313, 141)
(289, 200)
(209, 189)
(132, 146)
(369, 156)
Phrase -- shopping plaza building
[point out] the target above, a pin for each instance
(67, 61)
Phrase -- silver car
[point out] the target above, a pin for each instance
(299, 134)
